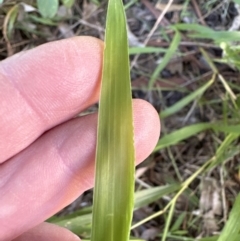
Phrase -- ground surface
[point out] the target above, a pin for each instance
(184, 68)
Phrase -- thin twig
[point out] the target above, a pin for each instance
(198, 12)
(153, 29)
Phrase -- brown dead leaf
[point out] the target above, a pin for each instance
(210, 204)
(176, 67)
(210, 196)
(173, 7)
(209, 223)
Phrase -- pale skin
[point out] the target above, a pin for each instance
(47, 155)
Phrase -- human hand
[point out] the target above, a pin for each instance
(47, 155)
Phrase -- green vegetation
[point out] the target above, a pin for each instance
(115, 159)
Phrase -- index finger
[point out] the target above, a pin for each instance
(44, 87)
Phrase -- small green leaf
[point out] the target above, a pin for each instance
(9, 21)
(48, 8)
(68, 3)
(236, 1)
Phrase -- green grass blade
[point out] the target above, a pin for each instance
(146, 50)
(167, 57)
(10, 20)
(129, 4)
(147, 196)
(114, 181)
(181, 134)
(179, 221)
(48, 8)
(225, 151)
(231, 230)
(202, 32)
(67, 217)
(185, 101)
(168, 222)
(235, 129)
(77, 225)
(188, 131)
(79, 222)
(214, 238)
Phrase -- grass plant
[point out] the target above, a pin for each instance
(115, 160)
